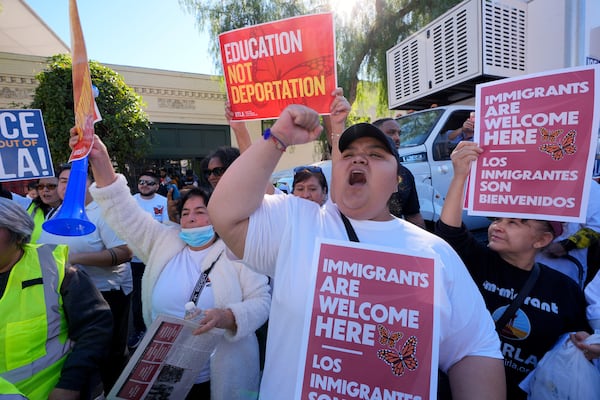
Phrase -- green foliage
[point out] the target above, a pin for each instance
(124, 126)
(220, 16)
(362, 38)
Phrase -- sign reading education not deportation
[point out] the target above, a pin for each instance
(24, 152)
(272, 65)
(373, 329)
(539, 135)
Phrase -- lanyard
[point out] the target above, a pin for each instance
(202, 281)
(349, 228)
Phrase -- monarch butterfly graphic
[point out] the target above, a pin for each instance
(158, 210)
(550, 136)
(403, 360)
(386, 338)
(558, 150)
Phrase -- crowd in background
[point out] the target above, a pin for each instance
(155, 243)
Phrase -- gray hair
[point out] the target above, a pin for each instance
(15, 219)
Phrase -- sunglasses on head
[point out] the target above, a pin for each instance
(215, 171)
(49, 186)
(309, 168)
(145, 182)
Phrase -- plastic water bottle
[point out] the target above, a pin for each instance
(192, 313)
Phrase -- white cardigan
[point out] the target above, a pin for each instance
(234, 368)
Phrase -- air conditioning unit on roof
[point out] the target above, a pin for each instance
(474, 42)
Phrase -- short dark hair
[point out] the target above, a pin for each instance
(381, 121)
(151, 174)
(69, 166)
(305, 174)
(193, 192)
(226, 154)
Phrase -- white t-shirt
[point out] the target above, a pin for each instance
(103, 237)
(281, 238)
(176, 284)
(156, 206)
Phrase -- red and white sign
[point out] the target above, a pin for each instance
(373, 327)
(539, 133)
(272, 65)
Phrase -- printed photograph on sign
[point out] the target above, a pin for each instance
(272, 65)
(539, 134)
(24, 150)
(373, 325)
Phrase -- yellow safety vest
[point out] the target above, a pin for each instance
(38, 219)
(8, 391)
(33, 329)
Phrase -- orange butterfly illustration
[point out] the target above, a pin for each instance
(550, 136)
(558, 150)
(386, 338)
(401, 361)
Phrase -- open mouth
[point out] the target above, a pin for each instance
(357, 177)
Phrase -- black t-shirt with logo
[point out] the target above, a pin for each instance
(554, 306)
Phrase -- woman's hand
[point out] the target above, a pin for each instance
(590, 351)
(340, 108)
(462, 157)
(216, 318)
(99, 159)
(229, 117)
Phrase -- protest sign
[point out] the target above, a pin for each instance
(539, 135)
(167, 362)
(24, 151)
(373, 327)
(271, 65)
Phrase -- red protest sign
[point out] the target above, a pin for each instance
(86, 111)
(270, 66)
(539, 133)
(373, 326)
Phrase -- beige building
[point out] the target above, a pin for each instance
(186, 110)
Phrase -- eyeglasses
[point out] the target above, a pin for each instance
(309, 168)
(215, 171)
(145, 182)
(49, 186)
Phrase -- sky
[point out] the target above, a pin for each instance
(141, 33)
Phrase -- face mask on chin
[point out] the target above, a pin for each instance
(197, 237)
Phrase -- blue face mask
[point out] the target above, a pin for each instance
(197, 237)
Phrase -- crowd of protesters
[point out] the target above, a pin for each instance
(246, 241)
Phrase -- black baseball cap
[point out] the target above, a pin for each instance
(364, 129)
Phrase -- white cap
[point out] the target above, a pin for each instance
(190, 306)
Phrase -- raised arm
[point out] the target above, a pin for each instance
(335, 123)
(240, 130)
(102, 168)
(242, 191)
(462, 157)
(467, 127)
